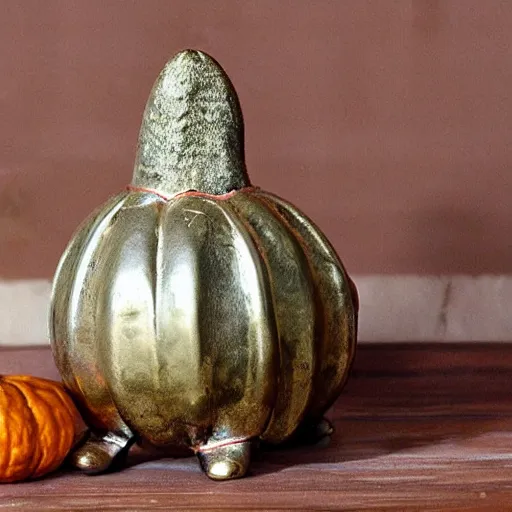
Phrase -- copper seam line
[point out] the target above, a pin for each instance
(220, 444)
(193, 193)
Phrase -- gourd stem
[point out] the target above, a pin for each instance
(192, 132)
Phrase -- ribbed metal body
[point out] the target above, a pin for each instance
(202, 317)
(195, 310)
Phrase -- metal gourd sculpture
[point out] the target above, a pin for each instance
(194, 309)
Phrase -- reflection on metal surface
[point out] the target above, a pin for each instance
(195, 310)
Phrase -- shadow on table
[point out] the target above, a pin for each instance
(401, 399)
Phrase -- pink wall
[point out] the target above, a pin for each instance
(387, 122)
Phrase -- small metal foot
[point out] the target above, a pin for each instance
(313, 432)
(225, 461)
(100, 454)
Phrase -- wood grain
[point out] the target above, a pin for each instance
(424, 427)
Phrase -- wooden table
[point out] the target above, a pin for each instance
(419, 427)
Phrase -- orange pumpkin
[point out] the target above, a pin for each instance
(38, 425)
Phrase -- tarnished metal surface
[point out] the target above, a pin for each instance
(195, 310)
(192, 133)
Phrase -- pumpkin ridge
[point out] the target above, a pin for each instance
(164, 413)
(157, 263)
(270, 328)
(327, 386)
(5, 430)
(58, 412)
(254, 237)
(106, 334)
(318, 315)
(69, 267)
(66, 435)
(31, 438)
(91, 248)
(319, 303)
(37, 454)
(275, 200)
(45, 418)
(66, 400)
